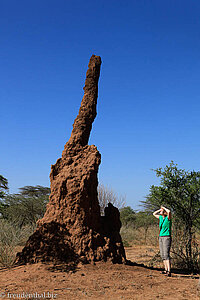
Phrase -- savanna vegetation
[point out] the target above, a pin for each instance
(179, 190)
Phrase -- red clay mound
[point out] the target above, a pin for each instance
(72, 227)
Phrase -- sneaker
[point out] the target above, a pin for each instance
(169, 274)
(163, 272)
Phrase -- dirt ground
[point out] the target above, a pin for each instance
(100, 281)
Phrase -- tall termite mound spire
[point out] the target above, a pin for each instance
(87, 113)
(72, 227)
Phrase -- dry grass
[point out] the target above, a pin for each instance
(11, 237)
(138, 236)
(134, 237)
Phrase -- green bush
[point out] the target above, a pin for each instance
(180, 256)
(26, 207)
(127, 216)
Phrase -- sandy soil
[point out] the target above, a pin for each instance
(100, 281)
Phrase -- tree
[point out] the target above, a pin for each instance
(144, 220)
(3, 190)
(27, 206)
(3, 186)
(180, 191)
(127, 216)
(106, 195)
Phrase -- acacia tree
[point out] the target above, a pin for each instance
(3, 186)
(27, 206)
(3, 190)
(179, 190)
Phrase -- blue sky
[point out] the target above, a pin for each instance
(149, 89)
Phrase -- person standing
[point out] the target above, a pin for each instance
(165, 223)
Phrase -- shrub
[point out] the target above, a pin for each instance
(182, 259)
(12, 236)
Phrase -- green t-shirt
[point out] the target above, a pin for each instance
(165, 226)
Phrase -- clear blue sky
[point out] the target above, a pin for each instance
(149, 89)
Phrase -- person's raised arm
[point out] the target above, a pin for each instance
(168, 211)
(156, 213)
